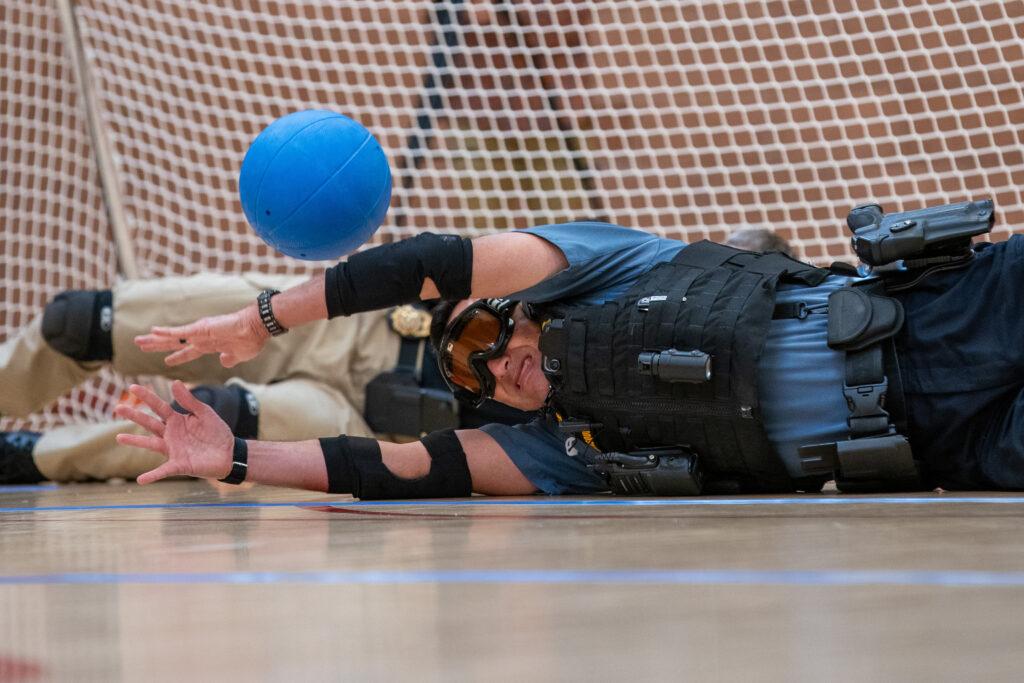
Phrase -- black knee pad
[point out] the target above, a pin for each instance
(354, 466)
(17, 466)
(234, 404)
(77, 323)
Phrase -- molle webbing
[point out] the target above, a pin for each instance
(711, 298)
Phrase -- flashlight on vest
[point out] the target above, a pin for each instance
(676, 366)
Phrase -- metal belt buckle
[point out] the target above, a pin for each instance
(410, 321)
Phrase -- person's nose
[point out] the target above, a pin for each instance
(499, 366)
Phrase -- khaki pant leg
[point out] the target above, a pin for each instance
(325, 392)
(142, 304)
(329, 363)
(33, 375)
(344, 353)
(89, 451)
(302, 409)
(347, 353)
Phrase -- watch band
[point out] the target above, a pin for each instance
(239, 463)
(267, 313)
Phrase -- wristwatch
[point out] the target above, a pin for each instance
(239, 463)
(267, 313)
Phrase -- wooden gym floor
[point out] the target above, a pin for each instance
(184, 581)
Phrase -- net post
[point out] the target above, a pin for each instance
(100, 144)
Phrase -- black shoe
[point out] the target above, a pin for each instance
(16, 463)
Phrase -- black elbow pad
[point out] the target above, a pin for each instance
(393, 274)
(354, 466)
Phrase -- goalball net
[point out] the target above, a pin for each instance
(685, 118)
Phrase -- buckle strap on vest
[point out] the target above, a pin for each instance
(875, 457)
(865, 389)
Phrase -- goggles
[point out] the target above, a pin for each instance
(476, 335)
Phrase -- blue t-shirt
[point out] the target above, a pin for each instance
(800, 377)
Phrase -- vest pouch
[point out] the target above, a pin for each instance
(668, 471)
(561, 344)
(857, 319)
(554, 349)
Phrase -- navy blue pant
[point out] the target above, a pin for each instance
(961, 356)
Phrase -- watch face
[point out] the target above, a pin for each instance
(410, 322)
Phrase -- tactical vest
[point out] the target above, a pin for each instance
(710, 298)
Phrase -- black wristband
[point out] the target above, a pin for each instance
(239, 463)
(267, 313)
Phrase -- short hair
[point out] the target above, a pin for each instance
(759, 239)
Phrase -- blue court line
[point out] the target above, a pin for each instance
(697, 577)
(171, 506)
(21, 488)
(691, 502)
(550, 502)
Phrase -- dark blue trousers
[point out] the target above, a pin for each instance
(961, 355)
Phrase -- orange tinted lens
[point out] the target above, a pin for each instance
(479, 333)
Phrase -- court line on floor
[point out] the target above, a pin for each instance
(697, 577)
(544, 502)
(21, 488)
(692, 502)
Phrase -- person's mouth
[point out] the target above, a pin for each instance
(522, 372)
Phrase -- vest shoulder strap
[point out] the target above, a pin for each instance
(788, 269)
(706, 255)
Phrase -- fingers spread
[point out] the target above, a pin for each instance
(156, 343)
(159, 406)
(172, 338)
(168, 469)
(186, 398)
(183, 355)
(143, 419)
(150, 443)
(196, 329)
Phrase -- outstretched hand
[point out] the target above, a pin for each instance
(236, 337)
(197, 444)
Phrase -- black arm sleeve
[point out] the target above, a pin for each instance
(340, 473)
(393, 274)
(354, 465)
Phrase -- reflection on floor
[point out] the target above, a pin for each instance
(185, 580)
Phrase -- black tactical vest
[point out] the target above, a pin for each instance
(709, 298)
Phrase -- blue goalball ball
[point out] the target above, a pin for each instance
(315, 185)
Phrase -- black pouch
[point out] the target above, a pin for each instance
(554, 345)
(857, 319)
(396, 404)
(665, 471)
